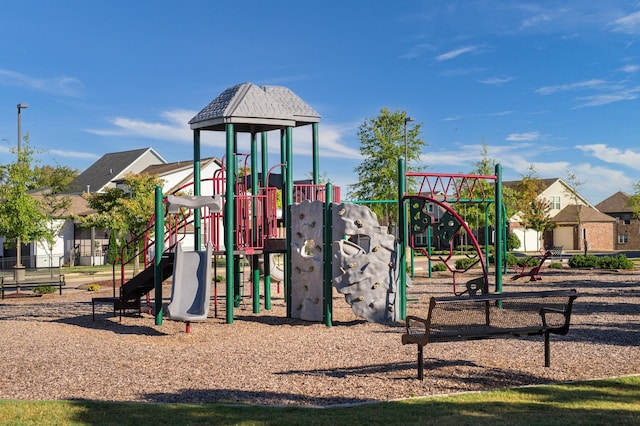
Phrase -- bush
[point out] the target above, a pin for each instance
(464, 263)
(555, 265)
(513, 242)
(582, 261)
(45, 289)
(93, 287)
(511, 260)
(438, 267)
(619, 261)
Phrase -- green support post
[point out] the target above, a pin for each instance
(316, 161)
(402, 243)
(159, 248)
(229, 211)
(499, 223)
(327, 258)
(287, 206)
(255, 189)
(267, 269)
(197, 218)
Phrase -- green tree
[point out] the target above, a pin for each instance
(575, 184)
(532, 210)
(52, 182)
(125, 211)
(634, 200)
(22, 216)
(381, 144)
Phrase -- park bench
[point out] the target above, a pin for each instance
(32, 282)
(489, 316)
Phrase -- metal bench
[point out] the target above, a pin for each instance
(491, 316)
(32, 282)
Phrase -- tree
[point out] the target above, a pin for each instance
(574, 185)
(634, 200)
(381, 144)
(52, 181)
(125, 211)
(22, 216)
(532, 210)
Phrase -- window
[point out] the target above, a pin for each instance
(623, 238)
(626, 218)
(554, 202)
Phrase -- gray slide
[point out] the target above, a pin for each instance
(191, 289)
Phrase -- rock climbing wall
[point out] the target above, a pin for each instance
(364, 266)
(365, 263)
(306, 260)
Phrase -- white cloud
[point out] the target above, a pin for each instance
(72, 154)
(613, 155)
(631, 68)
(526, 137)
(588, 84)
(496, 81)
(629, 24)
(65, 86)
(455, 53)
(175, 128)
(607, 98)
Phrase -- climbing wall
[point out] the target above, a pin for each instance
(364, 266)
(306, 260)
(365, 263)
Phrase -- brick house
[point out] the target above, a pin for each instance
(593, 227)
(572, 214)
(627, 227)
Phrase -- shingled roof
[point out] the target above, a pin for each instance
(107, 169)
(617, 203)
(254, 108)
(587, 215)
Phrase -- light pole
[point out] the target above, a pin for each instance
(19, 269)
(406, 156)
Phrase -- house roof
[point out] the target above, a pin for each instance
(178, 166)
(78, 205)
(546, 183)
(107, 169)
(587, 215)
(617, 203)
(254, 108)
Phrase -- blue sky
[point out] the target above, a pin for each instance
(544, 83)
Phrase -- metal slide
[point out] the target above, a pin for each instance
(191, 289)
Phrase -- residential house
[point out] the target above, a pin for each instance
(571, 222)
(626, 234)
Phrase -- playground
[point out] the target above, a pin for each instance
(53, 350)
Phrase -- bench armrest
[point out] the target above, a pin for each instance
(417, 330)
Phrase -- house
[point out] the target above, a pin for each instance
(594, 228)
(112, 167)
(571, 222)
(626, 228)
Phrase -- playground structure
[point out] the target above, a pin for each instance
(244, 226)
(431, 213)
(326, 244)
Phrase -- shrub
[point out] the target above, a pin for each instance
(582, 261)
(619, 261)
(438, 267)
(511, 259)
(555, 265)
(93, 287)
(220, 278)
(513, 242)
(45, 289)
(465, 263)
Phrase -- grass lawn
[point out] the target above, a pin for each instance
(602, 402)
